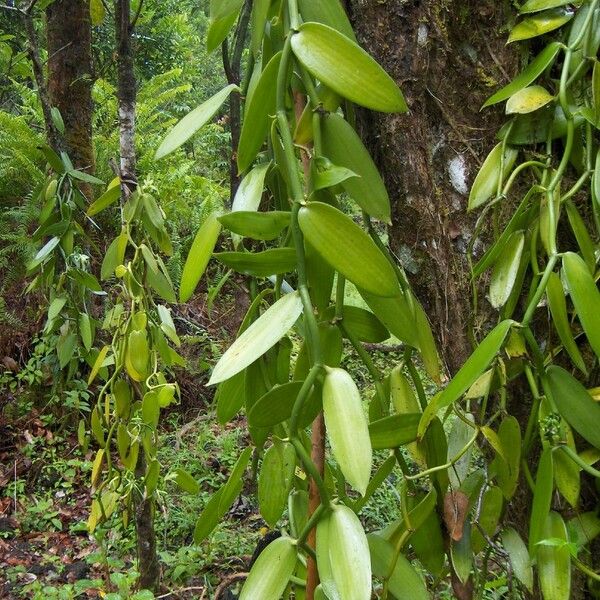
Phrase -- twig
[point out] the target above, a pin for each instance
(194, 588)
(227, 582)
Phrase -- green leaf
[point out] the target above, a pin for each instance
(223, 14)
(346, 68)
(193, 121)
(583, 528)
(263, 334)
(558, 309)
(348, 249)
(554, 562)
(486, 182)
(97, 12)
(98, 364)
(110, 196)
(326, 575)
(461, 554)
(330, 102)
(275, 406)
(260, 106)
(458, 438)
(518, 556)
(505, 270)
(585, 296)
(275, 481)
(258, 19)
(44, 252)
(528, 100)
(325, 174)
(222, 500)
(85, 331)
(584, 241)
(343, 146)
(596, 87)
(474, 366)
(115, 255)
(508, 463)
(260, 264)
(491, 510)
(198, 256)
(257, 225)
(349, 555)
(86, 177)
(328, 12)
(575, 404)
(540, 23)
(394, 431)
(361, 323)
(542, 497)
(65, 348)
(537, 5)
(272, 571)
(230, 397)
(250, 190)
(403, 581)
(537, 66)
(347, 428)
(161, 285)
(186, 482)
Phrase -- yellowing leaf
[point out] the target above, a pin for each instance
(528, 99)
(540, 23)
(505, 270)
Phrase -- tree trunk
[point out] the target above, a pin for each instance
(69, 37)
(448, 57)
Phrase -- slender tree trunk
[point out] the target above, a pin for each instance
(145, 507)
(69, 37)
(447, 56)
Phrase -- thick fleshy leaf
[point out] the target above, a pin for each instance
(325, 174)
(343, 146)
(528, 100)
(584, 241)
(347, 428)
(458, 437)
(558, 308)
(461, 554)
(329, 100)
(508, 462)
(585, 296)
(536, 5)
(193, 121)
(185, 481)
(518, 556)
(349, 555)
(110, 196)
(394, 431)
(474, 366)
(537, 66)
(346, 68)
(486, 181)
(230, 397)
(260, 106)
(260, 264)
(272, 571)
(540, 23)
(583, 528)
(275, 406)
(275, 480)
(575, 404)
(542, 497)
(250, 190)
(361, 323)
(348, 249)
(554, 561)
(258, 19)
(328, 12)
(256, 225)
(505, 270)
(491, 510)
(403, 580)
(198, 256)
(263, 334)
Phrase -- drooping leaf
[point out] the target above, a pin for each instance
(505, 270)
(537, 66)
(272, 571)
(185, 481)
(343, 146)
(554, 561)
(193, 121)
(347, 248)
(518, 556)
(528, 99)
(263, 334)
(347, 428)
(394, 431)
(361, 323)
(223, 14)
(275, 406)
(250, 190)
(542, 497)
(275, 480)
(260, 106)
(346, 68)
(110, 196)
(575, 404)
(258, 18)
(403, 580)
(260, 264)
(585, 296)
(507, 464)
(230, 397)
(486, 181)
(540, 23)
(558, 309)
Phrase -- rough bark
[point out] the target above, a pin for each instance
(447, 56)
(69, 38)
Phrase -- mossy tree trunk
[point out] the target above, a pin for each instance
(69, 39)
